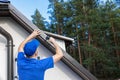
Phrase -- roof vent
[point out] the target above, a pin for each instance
(4, 1)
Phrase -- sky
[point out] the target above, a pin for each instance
(28, 7)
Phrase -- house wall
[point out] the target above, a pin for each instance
(60, 70)
(3, 57)
(61, 43)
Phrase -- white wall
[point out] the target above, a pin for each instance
(61, 43)
(60, 72)
(3, 58)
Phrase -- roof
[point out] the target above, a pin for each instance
(8, 10)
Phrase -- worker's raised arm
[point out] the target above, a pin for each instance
(31, 36)
(59, 53)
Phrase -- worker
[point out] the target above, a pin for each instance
(29, 67)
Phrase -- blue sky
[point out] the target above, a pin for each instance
(28, 7)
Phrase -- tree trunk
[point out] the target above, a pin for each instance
(115, 41)
(78, 41)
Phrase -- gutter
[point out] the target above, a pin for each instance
(9, 53)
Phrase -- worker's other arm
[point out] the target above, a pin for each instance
(59, 53)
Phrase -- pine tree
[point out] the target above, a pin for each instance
(96, 31)
(38, 20)
(55, 9)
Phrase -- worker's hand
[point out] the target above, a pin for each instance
(52, 40)
(35, 33)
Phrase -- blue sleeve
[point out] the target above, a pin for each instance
(20, 55)
(47, 63)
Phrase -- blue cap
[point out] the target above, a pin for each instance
(31, 47)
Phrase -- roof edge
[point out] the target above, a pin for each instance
(13, 10)
(59, 36)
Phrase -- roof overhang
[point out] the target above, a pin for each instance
(4, 10)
